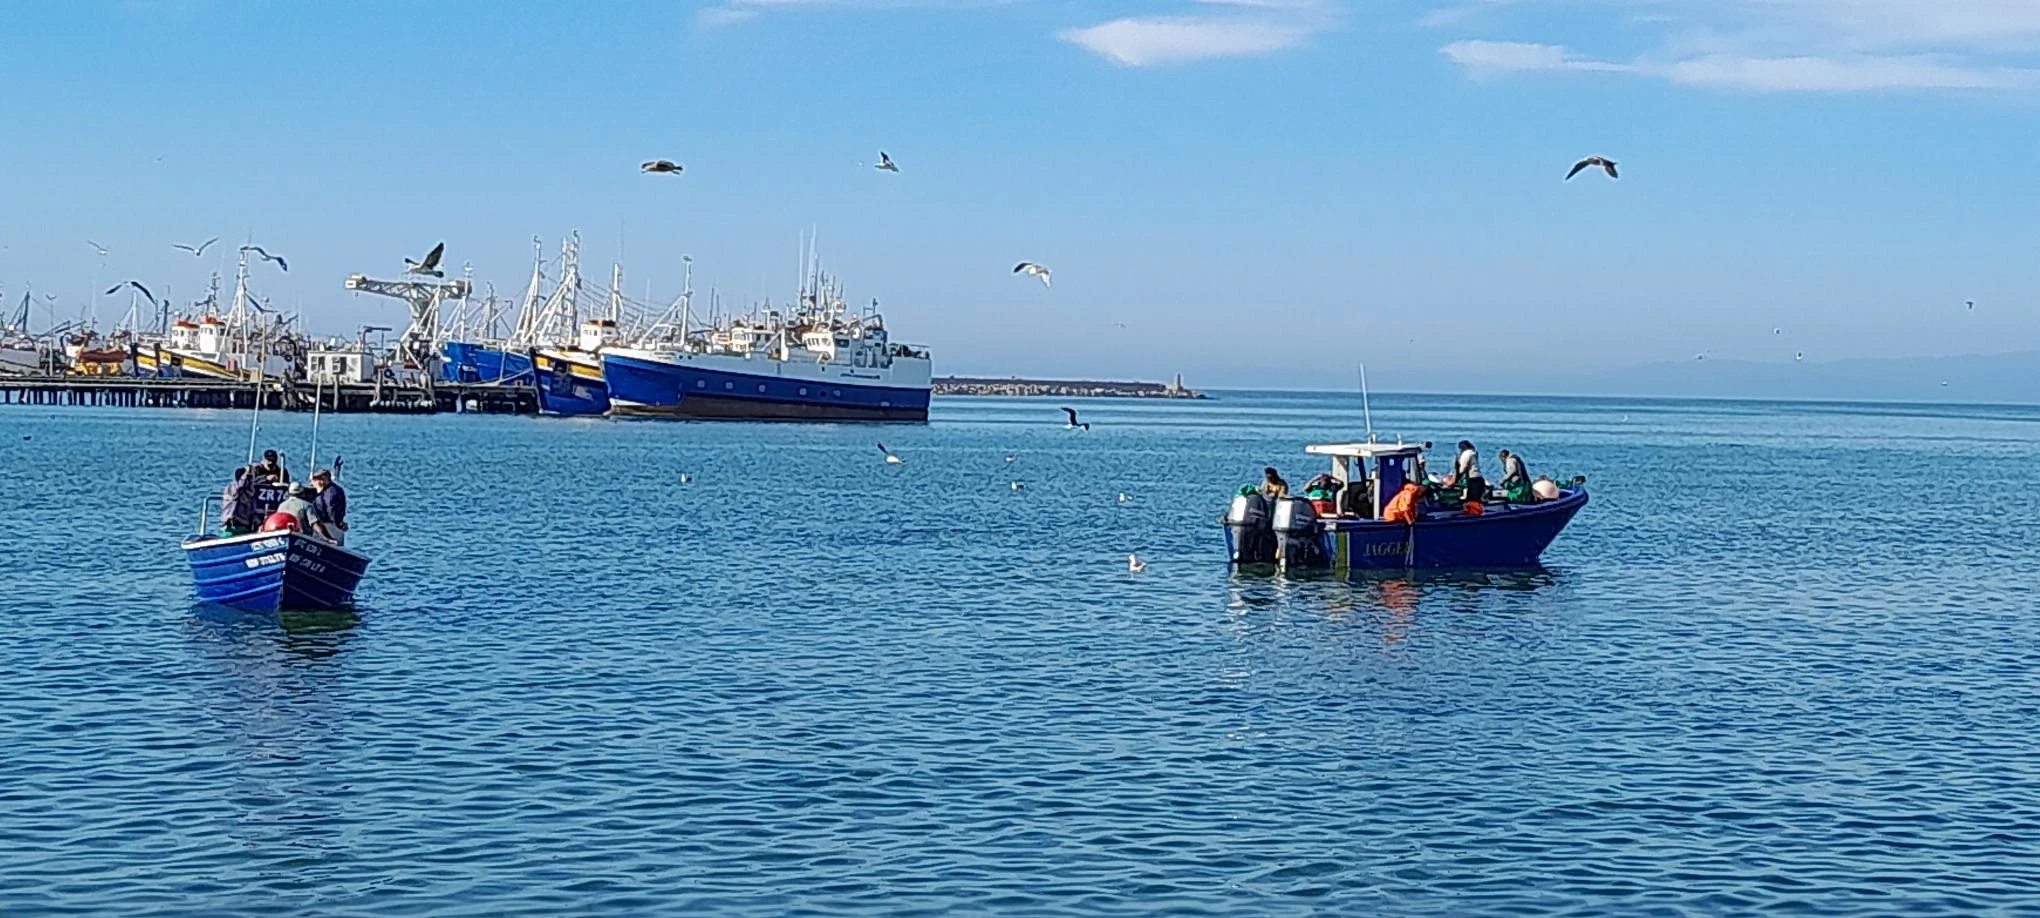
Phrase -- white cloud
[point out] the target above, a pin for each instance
(1788, 45)
(1152, 41)
(1249, 27)
(1484, 58)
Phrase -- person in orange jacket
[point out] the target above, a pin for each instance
(1402, 508)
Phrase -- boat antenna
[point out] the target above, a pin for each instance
(1366, 409)
(255, 420)
(318, 383)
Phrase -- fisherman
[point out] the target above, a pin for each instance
(1466, 473)
(331, 506)
(237, 503)
(1405, 506)
(271, 468)
(1273, 488)
(1515, 484)
(295, 514)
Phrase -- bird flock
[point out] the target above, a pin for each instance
(886, 164)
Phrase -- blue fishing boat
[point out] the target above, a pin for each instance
(270, 571)
(1348, 531)
(273, 571)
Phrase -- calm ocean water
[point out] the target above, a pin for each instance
(1789, 658)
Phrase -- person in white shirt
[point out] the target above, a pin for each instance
(1466, 472)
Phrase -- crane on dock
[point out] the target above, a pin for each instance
(419, 345)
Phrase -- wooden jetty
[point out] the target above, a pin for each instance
(274, 394)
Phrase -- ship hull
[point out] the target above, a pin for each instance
(474, 362)
(570, 383)
(732, 388)
(273, 571)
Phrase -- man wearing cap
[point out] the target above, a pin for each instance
(331, 506)
(295, 514)
(271, 468)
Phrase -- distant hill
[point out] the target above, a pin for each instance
(2013, 377)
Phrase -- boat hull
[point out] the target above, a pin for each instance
(1507, 536)
(570, 383)
(273, 571)
(474, 362)
(763, 391)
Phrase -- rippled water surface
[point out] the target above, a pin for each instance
(1789, 658)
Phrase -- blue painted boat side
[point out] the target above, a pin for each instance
(474, 362)
(1506, 536)
(647, 387)
(571, 388)
(271, 571)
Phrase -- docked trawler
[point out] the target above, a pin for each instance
(818, 363)
(1349, 533)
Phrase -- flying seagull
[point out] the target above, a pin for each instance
(430, 265)
(1607, 165)
(197, 251)
(661, 165)
(266, 256)
(1134, 564)
(890, 458)
(1970, 303)
(885, 162)
(1074, 423)
(135, 284)
(100, 248)
(1028, 267)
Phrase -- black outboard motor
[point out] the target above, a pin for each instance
(1296, 529)
(1252, 541)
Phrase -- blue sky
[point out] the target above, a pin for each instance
(1263, 192)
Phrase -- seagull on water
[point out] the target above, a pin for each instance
(197, 251)
(430, 265)
(266, 256)
(1010, 457)
(1028, 267)
(1074, 424)
(1134, 564)
(685, 478)
(1018, 486)
(1777, 331)
(1607, 165)
(661, 165)
(135, 284)
(885, 163)
(1799, 356)
(1124, 499)
(890, 458)
(97, 247)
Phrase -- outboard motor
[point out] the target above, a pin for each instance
(1297, 531)
(1247, 519)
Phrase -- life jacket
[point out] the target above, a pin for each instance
(1402, 508)
(282, 522)
(1472, 508)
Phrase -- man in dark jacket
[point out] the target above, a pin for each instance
(331, 504)
(237, 504)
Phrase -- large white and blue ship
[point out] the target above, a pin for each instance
(819, 363)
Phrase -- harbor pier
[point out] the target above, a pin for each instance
(273, 395)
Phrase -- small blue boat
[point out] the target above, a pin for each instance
(1348, 533)
(271, 571)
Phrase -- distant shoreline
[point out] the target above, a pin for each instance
(1066, 388)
